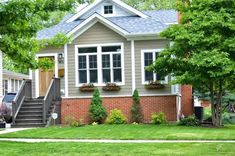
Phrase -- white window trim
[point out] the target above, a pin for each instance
(99, 62)
(143, 51)
(55, 55)
(108, 15)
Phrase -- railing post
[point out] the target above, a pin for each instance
(44, 112)
(13, 112)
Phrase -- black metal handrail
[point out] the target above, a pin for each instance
(53, 94)
(24, 92)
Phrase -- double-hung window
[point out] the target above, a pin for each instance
(111, 64)
(87, 65)
(148, 57)
(100, 64)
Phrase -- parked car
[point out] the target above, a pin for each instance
(6, 107)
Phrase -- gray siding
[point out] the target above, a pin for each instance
(142, 45)
(60, 66)
(99, 34)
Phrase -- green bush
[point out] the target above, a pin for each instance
(228, 118)
(116, 117)
(97, 110)
(136, 111)
(159, 118)
(189, 121)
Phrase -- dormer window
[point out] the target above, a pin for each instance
(108, 9)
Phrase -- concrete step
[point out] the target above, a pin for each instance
(36, 117)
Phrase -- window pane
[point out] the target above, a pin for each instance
(117, 60)
(82, 62)
(87, 50)
(148, 76)
(82, 76)
(106, 75)
(108, 9)
(111, 49)
(106, 61)
(93, 76)
(117, 75)
(93, 61)
(148, 59)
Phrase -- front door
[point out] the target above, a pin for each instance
(45, 78)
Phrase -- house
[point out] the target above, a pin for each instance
(11, 82)
(111, 42)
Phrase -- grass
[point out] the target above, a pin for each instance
(100, 149)
(132, 132)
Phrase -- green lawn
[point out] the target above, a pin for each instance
(168, 132)
(100, 149)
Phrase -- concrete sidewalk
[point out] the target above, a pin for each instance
(11, 130)
(114, 141)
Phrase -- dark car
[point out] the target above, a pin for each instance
(6, 106)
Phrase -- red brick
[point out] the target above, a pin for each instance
(79, 108)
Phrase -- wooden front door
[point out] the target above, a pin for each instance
(45, 78)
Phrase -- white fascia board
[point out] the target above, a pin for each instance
(118, 2)
(100, 19)
(83, 11)
(129, 8)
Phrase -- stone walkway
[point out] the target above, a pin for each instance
(114, 141)
(11, 130)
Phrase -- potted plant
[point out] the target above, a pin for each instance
(87, 87)
(154, 85)
(111, 87)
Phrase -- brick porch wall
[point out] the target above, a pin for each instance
(187, 103)
(79, 108)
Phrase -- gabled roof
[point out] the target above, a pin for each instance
(117, 2)
(129, 25)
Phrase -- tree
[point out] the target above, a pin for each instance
(152, 4)
(97, 110)
(203, 53)
(19, 24)
(136, 110)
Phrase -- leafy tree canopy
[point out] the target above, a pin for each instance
(19, 24)
(152, 4)
(203, 53)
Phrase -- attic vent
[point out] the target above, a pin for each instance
(108, 9)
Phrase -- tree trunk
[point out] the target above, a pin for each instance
(216, 105)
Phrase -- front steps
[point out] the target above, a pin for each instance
(30, 114)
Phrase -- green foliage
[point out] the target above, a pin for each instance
(136, 110)
(46, 63)
(203, 50)
(19, 24)
(116, 117)
(152, 4)
(97, 110)
(228, 118)
(189, 121)
(159, 118)
(207, 113)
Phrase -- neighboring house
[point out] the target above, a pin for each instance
(111, 42)
(12, 81)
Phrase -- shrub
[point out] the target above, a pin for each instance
(71, 121)
(136, 111)
(116, 117)
(97, 111)
(5, 113)
(228, 118)
(159, 118)
(189, 121)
